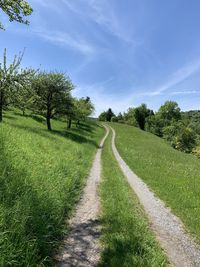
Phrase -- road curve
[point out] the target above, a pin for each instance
(81, 248)
(180, 248)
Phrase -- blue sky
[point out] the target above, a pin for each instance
(120, 53)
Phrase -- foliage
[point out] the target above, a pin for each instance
(16, 10)
(170, 111)
(102, 116)
(52, 93)
(106, 115)
(23, 98)
(171, 132)
(185, 140)
(109, 114)
(83, 108)
(196, 151)
(42, 174)
(125, 230)
(129, 117)
(173, 176)
(12, 79)
(141, 113)
(114, 119)
(155, 124)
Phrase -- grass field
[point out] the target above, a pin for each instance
(174, 176)
(127, 240)
(41, 177)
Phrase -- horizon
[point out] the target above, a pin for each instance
(118, 54)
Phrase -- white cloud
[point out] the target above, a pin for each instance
(185, 92)
(103, 100)
(102, 13)
(176, 78)
(66, 40)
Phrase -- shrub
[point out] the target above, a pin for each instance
(196, 151)
(114, 119)
(185, 140)
(154, 124)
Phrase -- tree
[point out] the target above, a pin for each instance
(102, 116)
(52, 94)
(23, 98)
(83, 108)
(129, 117)
(109, 114)
(155, 124)
(186, 140)
(12, 79)
(141, 113)
(170, 111)
(16, 10)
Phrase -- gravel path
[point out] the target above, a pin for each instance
(81, 247)
(181, 250)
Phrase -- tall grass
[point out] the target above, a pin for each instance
(127, 239)
(41, 177)
(173, 175)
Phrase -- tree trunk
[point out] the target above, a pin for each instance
(1, 106)
(69, 124)
(49, 123)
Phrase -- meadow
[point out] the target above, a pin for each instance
(42, 174)
(174, 176)
(126, 237)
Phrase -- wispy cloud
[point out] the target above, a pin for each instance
(176, 78)
(189, 92)
(102, 100)
(66, 40)
(103, 14)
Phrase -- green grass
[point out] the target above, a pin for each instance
(174, 176)
(41, 177)
(127, 239)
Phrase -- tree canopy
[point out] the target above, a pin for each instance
(12, 79)
(52, 92)
(16, 10)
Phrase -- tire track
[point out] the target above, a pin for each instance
(181, 249)
(81, 247)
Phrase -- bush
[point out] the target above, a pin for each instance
(196, 151)
(114, 119)
(186, 140)
(154, 125)
(171, 132)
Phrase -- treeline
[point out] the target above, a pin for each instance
(181, 129)
(45, 93)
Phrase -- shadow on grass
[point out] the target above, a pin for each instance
(52, 134)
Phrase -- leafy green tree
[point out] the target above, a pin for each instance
(129, 117)
(186, 140)
(12, 80)
(83, 108)
(109, 114)
(170, 111)
(16, 10)
(52, 94)
(102, 116)
(114, 119)
(141, 113)
(155, 124)
(23, 98)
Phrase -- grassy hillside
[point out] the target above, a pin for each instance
(173, 175)
(41, 176)
(127, 240)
